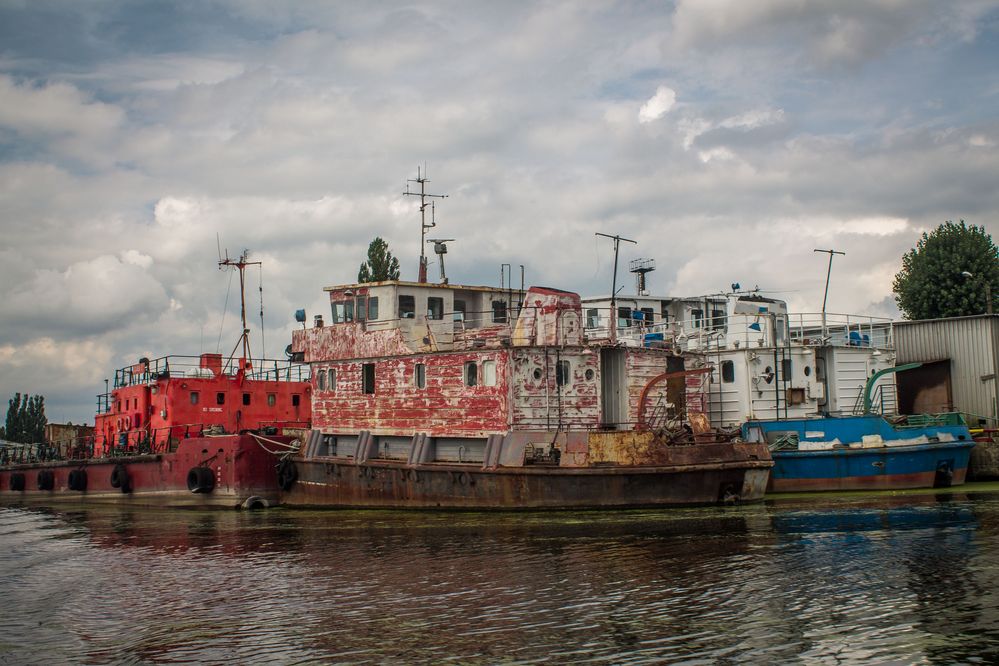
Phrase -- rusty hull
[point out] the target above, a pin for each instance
(701, 474)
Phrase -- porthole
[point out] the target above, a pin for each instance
(807, 370)
(589, 374)
(537, 373)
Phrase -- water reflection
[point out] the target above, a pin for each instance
(806, 581)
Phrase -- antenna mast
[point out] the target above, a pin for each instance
(421, 178)
(613, 315)
(241, 265)
(826, 296)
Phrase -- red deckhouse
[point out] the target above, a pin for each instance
(174, 397)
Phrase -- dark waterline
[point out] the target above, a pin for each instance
(836, 579)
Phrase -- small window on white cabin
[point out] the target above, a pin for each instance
(362, 308)
(499, 312)
(420, 375)
(435, 307)
(368, 378)
(471, 374)
(373, 308)
(592, 318)
(623, 317)
(489, 373)
(331, 379)
(407, 307)
(459, 310)
(321, 381)
(728, 372)
(697, 317)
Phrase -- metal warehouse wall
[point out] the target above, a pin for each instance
(970, 343)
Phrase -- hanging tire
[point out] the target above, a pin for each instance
(77, 480)
(17, 482)
(120, 479)
(201, 480)
(46, 480)
(287, 474)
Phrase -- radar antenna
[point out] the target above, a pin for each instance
(640, 267)
(440, 249)
(241, 264)
(422, 180)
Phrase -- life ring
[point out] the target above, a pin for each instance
(46, 480)
(201, 480)
(287, 474)
(119, 478)
(77, 480)
(17, 481)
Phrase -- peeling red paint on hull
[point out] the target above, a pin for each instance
(241, 469)
(340, 483)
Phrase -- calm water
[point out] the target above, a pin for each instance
(832, 580)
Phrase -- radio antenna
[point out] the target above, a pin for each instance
(422, 180)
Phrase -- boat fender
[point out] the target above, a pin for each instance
(728, 494)
(77, 480)
(119, 479)
(254, 502)
(287, 474)
(17, 481)
(201, 480)
(944, 477)
(46, 480)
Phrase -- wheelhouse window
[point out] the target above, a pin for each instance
(368, 378)
(420, 375)
(343, 311)
(623, 317)
(459, 310)
(407, 307)
(471, 374)
(717, 320)
(489, 373)
(562, 373)
(592, 318)
(728, 372)
(697, 316)
(650, 315)
(372, 308)
(499, 312)
(362, 308)
(435, 307)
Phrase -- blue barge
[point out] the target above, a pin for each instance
(864, 452)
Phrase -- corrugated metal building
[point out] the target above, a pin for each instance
(959, 371)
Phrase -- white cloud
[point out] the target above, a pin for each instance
(658, 105)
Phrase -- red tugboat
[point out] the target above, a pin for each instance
(196, 431)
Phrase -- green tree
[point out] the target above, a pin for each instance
(25, 419)
(381, 265)
(948, 273)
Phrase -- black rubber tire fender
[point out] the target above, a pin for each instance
(287, 474)
(45, 479)
(17, 481)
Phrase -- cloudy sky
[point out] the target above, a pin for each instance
(729, 138)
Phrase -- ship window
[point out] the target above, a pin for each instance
(348, 311)
(650, 315)
(372, 308)
(785, 369)
(459, 310)
(537, 374)
(562, 373)
(728, 371)
(194, 397)
(623, 317)
(489, 373)
(368, 378)
(220, 398)
(589, 374)
(331, 377)
(499, 312)
(295, 400)
(697, 316)
(435, 307)
(471, 374)
(592, 317)
(362, 307)
(339, 312)
(807, 371)
(717, 320)
(420, 375)
(271, 399)
(407, 307)
(321, 381)
(246, 398)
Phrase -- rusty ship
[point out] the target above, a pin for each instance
(472, 397)
(205, 430)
